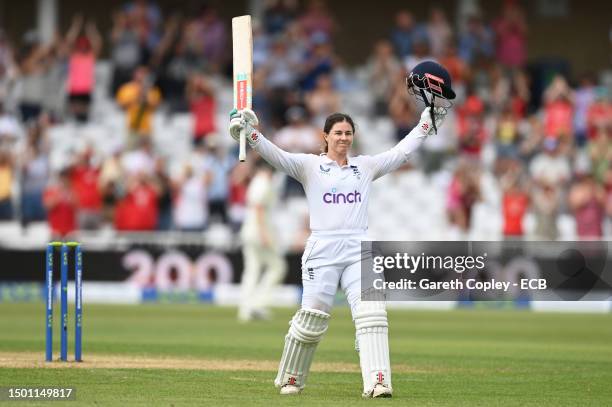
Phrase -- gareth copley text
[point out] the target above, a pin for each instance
(412, 264)
(457, 284)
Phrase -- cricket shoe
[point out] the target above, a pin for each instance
(254, 315)
(261, 315)
(379, 391)
(290, 389)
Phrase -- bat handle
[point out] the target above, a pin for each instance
(432, 114)
(242, 148)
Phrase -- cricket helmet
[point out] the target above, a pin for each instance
(430, 77)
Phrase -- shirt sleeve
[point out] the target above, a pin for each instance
(290, 163)
(397, 156)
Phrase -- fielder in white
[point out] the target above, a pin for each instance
(260, 247)
(337, 189)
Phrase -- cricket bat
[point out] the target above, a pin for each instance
(242, 40)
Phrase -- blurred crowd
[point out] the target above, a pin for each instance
(545, 137)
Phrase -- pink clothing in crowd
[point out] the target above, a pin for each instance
(81, 73)
(511, 43)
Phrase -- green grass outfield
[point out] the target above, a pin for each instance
(199, 355)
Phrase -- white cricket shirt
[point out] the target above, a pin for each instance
(338, 196)
(260, 193)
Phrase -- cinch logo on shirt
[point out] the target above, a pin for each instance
(339, 198)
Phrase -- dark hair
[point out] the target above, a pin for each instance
(333, 119)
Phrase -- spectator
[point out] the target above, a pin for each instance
(202, 104)
(280, 72)
(164, 196)
(584, 97)
(298, 39)
(317, 19)
(383, 68)
(587, 200)
(239, 180)
(110, 184)
(545, 198)
(405, 33)
(60, 203)
(137, 210)
(84, 50)
(299, 136)
(600, 154)
(146, 17)
(319, 61)
(8, 70)
(278, 15)
(128, 48)
(420, 48)
(323, 100)
(507, 135)
(139, 98)
(477, 42)
(498, 94)
(439, 32)
(456, 67)
(511, 35)
(212, 38)
(84, 181)
(54, 79)
(533, 136)
(599, 115)
(32, 68)
(10, 128)
(139, 161)
(519, 93)
(558, 110)
(550, 167)
(6, 186)
(34, 175)
(471, 129)
(175, 60)
(608, 188)
(280, 69)
(190, 208)
(402, 108)
(463, 193)
(217, 165)
(261, 45)
(515, 204)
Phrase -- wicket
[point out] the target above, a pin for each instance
(78, 288)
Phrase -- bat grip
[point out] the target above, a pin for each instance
(431, 108)
(242, 146)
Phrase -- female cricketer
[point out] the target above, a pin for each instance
(337, 188)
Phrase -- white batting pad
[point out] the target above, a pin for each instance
(305, 331)
(373, 344)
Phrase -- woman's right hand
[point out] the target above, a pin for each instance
(244, 120)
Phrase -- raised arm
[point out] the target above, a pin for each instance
(290, 163)
(397, 156)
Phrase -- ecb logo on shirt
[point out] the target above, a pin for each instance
(356, 171)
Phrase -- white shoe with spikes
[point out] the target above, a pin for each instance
(379, 391)
(289, 389)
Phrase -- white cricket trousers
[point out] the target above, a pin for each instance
(329, 259)
(256, 289)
